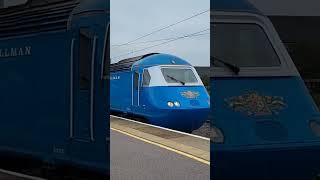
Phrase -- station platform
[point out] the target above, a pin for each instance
(142, 151)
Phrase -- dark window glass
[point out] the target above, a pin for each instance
(243, 45)
(136, 80)
(85, 53)
(146, 78)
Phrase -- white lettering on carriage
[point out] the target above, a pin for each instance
(115, 77)
(14, 52)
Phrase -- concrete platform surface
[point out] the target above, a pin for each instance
(134, 159)
(195, 146)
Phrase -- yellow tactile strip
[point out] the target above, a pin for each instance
(200, 148)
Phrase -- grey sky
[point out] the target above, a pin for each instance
(289, 7)
(132, 19)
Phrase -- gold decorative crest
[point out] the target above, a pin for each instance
(190, 94)
(255, 105)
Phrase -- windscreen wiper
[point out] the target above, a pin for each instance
(183, 83)
(232, 67)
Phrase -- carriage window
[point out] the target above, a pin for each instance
(179, 75)
(243, 45)
(146, 78)
(85, 51)
(136, 80)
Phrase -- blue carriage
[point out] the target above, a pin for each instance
(54, 62)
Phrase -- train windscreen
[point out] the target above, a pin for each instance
(243, 45)
(179, 75)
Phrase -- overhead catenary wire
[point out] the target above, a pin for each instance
(163, 28)
(163, 43)
(158, 40)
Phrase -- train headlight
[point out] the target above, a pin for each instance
(177, 104)
(170, 104)
(315, 127)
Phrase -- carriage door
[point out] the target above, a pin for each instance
(84, 52)
(135, 90)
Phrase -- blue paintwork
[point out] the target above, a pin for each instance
(277, 146)
(158, 113)
(158, 59)
(244, 127)
(35, 97)
(153, 100)
(119, 93)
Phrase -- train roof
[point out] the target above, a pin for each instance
(234, 6)
(90, 5)
(147, 60)
(38, 16)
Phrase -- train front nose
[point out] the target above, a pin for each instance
(184, 108)
(186, 120)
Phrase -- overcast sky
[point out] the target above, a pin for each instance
(132, 19)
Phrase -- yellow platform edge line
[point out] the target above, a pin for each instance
(163, 146)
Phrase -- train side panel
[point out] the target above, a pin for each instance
(121, 91)
(33, 99)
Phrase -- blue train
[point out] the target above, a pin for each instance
(161, 89)
(267, 122)
(54, 64)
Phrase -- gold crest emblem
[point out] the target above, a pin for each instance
(190, 94)
(255, 105)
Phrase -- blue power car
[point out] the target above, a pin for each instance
(161, 89)
(54, 63)
(267, 122)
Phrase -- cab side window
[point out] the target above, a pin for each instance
(146, 78)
